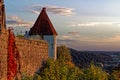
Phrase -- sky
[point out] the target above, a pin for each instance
(80, 24)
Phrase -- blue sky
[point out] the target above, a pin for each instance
(81, 24)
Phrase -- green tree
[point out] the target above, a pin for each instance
(63, 53)
(20, 36)
(60, 69)
(26, 77)
(54, 70)
(94, 73)
(115, 75)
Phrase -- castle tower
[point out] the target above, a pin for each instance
(2, 15)
(45, 29)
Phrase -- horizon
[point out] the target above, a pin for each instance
(82, 24)
(95, 50)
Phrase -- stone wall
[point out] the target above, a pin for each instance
(32, 53)
(3, 54)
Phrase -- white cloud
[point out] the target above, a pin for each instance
(53, 9)
(89, 24)
(13, 17)
(33, 11)
(15, 21)
(74, 33)
(84, 42)
(89, 39)
(64, 37)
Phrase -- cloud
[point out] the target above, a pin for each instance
(89, 24)
(87, 43)
(111, 40)
(88, 39)
(33, 11)
(15, 21)
(74, 33)
(13, 17)
(53, 9)
(64, 37)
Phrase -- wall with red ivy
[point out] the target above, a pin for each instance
(32, 53)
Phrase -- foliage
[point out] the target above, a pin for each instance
(63, 53)
(20, 36)
(94, 73)
(57, 71)
(26, 77)
(60, 69)
(115, 75)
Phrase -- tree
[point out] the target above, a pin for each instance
(115, 75)
(60, 69)
(94, 73)
(26, 77)
(63, 53)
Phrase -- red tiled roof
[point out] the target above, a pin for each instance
(43, 25)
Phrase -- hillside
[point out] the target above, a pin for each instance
(84, 58)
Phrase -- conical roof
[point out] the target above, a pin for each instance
(43, 25)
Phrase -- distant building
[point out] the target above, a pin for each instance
(43, 29)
